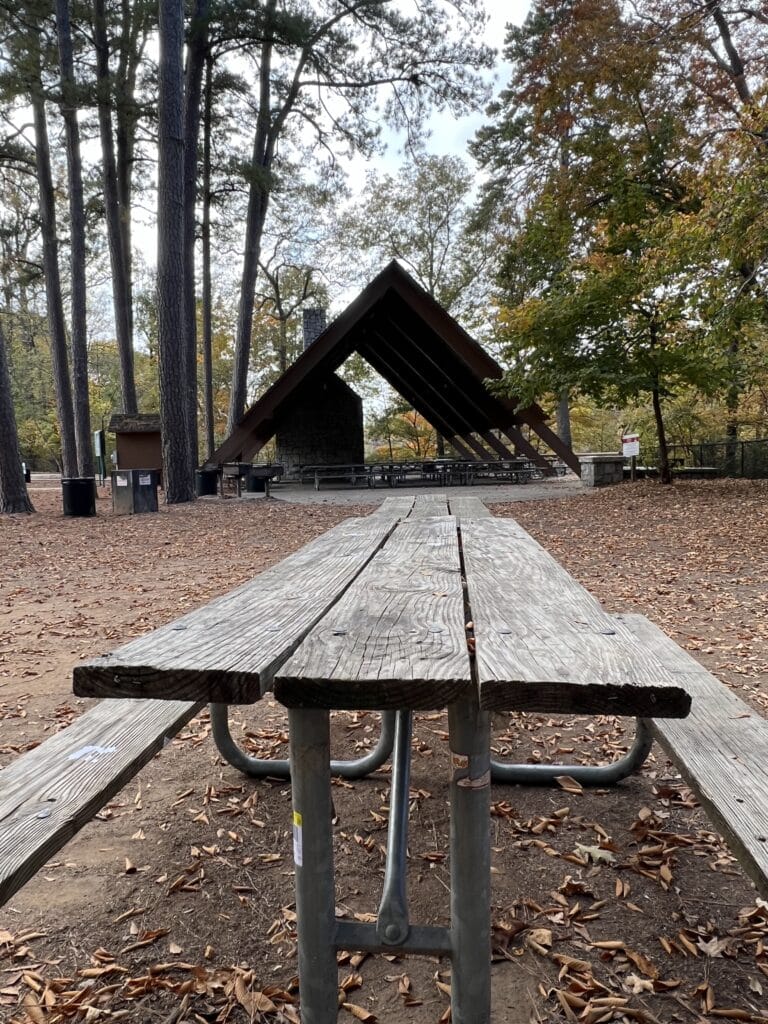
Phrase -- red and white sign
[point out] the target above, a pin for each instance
(630, 445)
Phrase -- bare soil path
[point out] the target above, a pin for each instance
(175, 904)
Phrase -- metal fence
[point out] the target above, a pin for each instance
(730, 458)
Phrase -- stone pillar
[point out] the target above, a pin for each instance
(599, 469)
(313, 324)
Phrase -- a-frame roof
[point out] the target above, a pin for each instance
(427, 357)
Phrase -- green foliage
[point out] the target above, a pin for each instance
(420, 217)
(398, 432)
(629, 268)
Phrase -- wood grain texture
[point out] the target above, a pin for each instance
(49, 793)
(228, 651)
(467, 508)
(393, 508)
(397, 639)
(544, 644)
(429, 505)
(721, 749)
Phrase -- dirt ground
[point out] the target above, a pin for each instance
(175, 904)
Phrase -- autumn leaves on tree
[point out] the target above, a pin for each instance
(625, 160)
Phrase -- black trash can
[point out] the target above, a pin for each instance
(134, 491)
(255, 483)
(206, 482)
(79, 495)
(27, 473)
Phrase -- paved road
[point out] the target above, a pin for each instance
(557, 487)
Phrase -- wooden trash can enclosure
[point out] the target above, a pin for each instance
(134, 491)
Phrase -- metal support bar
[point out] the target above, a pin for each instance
(469, 737)
(279, 768)
(313, 856)
(586, 775)
(423, 939)
(392, 925)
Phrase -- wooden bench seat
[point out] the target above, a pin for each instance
(50, 792)
(239, 640)
(721, 750)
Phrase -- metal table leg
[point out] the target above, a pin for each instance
(313, 857)
(392, 924)
(587, 775)
(470, 737)
(279, 768)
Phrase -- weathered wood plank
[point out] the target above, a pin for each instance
(228, 651)
(721, 749)
(397, 638)
(393, 508)
(467, 508)
(428, 505)
(49, 793)
(544, 644)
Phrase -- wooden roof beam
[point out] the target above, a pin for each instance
(445, 427)
(523, 445)
(558, 446)
(483, 454)
(461, 448)
(405, 389)
(487, 412)
(498, 446)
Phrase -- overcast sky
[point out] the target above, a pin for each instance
(450, 135)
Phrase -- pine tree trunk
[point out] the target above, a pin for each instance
(137, 19)
(178, 468)
(79, 336)
(207, 304)
(115, 216)
(54, 301)
(197, 47)
(13, 490)
(258, 202)
(257, 211)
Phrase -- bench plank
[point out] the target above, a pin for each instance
(720, 751)
(50, 792)
(544, 643)
(467, 508)
(427, 505)
(227, 652)
(397, 638)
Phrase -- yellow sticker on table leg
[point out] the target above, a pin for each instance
(298, 854)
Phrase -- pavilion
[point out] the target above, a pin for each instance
(423, 353)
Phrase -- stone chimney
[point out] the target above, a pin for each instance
(314, 325)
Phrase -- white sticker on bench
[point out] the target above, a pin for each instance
(90, 752)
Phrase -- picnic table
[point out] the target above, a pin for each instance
(408, 609)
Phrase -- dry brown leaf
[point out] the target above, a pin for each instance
(569, 784)
(33, 1009)
(642, 963)
(360, 1013)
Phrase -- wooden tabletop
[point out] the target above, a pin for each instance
(403, 634)
(394, 612)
